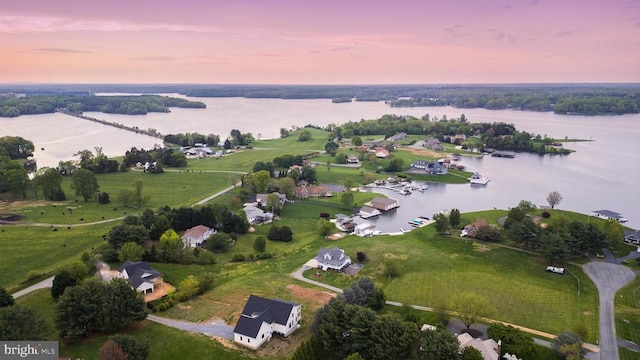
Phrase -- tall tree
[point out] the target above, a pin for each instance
(554, 198)
(6, 299)
(261, 181)
(442, 222)
(17, 181)
(438, 344)
(130, 251)
(18, 323)
(346, 199)
(454, 218)
(260, 244)
(85, 183)
(172, 245)
(61, 281)
(49, 180)
(470, 307)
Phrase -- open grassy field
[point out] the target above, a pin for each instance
(318, 139)
(169, 188)
(627, 305)
(40, 250)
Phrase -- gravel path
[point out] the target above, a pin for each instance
(216, 328)
(609, 278)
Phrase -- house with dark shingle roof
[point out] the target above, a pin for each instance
(632, 237)
(261, 318)
(140, 275)
(333, 259)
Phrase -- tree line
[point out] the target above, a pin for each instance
(130, 105)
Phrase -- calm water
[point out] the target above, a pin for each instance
(602, 174)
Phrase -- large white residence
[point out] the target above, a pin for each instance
(140, 275)
(197, 235)
(261, 318)
(333, 259)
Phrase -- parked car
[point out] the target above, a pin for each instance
(556, 270)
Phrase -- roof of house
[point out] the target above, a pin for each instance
(608, 213)
(253, 212)
(262, 198)
(139, 272)
(632, 234)
(258, 310)
(384, 201)
(368, 209)
(488, 348)
(196, 232)
(334, 256)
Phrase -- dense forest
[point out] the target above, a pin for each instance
(582, 99)
(11, 106)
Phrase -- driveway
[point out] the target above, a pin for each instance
(213, 328)
(46, 283)
(298, 275)
(609, 278)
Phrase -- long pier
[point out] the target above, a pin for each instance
(134, 129)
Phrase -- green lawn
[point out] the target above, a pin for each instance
(42, 302)
(627, 304)
(318, 139)
(43, 251)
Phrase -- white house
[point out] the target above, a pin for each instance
(261, 318)
(197, 235)
(489, 348)
(383, 204)
(140, 275)
(333, 259)
(256, 215)
(609, 215)
(633, 237)
(364, 229)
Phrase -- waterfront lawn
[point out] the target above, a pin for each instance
(337, 174)
(239, 161)
(28, 251)
(433, 268)
(318, 139)
(452, 177)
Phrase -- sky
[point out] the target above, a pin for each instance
(320, 41)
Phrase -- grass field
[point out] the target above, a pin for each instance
(627, 305)
(41, 250)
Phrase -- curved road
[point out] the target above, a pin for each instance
(609, 278)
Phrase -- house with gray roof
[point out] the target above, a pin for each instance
(609, 215)
(632, 237)
(262, 198)
(261, 318)
(140, 275)
(256, 215)
(333, 258)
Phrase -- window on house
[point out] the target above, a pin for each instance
(263, 336)
(240, 338)
(248, 340)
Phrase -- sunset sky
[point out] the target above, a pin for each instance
(320, 41)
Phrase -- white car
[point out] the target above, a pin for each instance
(556, 270)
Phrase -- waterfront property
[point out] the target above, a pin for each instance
(332, 259)
(471, 230)
(633, 237)
(431, 167)
(196, 235)
(261, 318)
(305, 192)
(383, 204)
(368, 212)
(140, 275)
(609, 215)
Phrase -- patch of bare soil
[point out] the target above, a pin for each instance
(426, 152)
(317, 297)
(18, 204)
(394, 256)
(159, 291)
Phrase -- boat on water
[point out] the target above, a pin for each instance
(478, 179)
(404, 192)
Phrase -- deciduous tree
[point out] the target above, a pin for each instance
(130, 251)
(61, 281)
(438, 344)
(6, 299)
(554, 198)
(470, 307)
(454, 218)
(18, 323)
(85, 183)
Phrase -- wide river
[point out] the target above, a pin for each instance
(602, 174)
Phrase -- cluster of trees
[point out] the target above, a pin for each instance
(364, 293)
(96, 306)
(260, 180)
(130, 105)
(190, 139)
(497, 135)
(561, 237)
(598, 105)
(15, 147)
(280, 233)
(161, 156)
(97, 163)
(14, 177)
(18, 323)
(128, 239)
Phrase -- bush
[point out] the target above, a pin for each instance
(545, 214)
(103, 198)
(280, 233)
(162, 307)
(238, 258)
(262, 256)
(361, 256)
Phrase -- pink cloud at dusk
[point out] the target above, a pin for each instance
(328, 42)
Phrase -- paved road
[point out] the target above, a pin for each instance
(298, 275)
(609, 278)
(209, 198)
(216, 328)
(46, 283)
